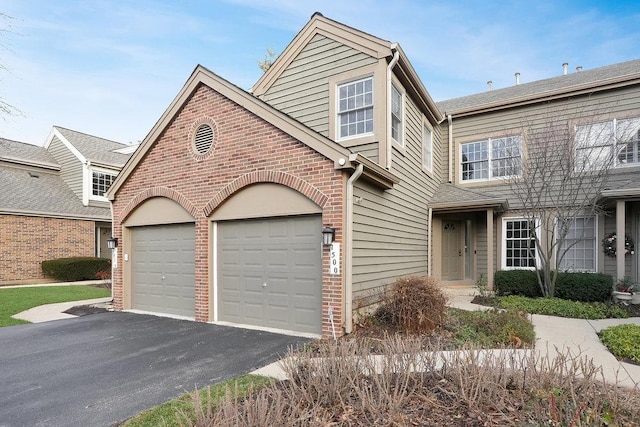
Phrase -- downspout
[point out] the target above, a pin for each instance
(429, 240)
(348, 251)
(394, 61)
(450, 120)
(114, 252)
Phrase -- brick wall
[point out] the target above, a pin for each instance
(27, 241)
(247, 150)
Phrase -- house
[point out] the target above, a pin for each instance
(221, 212)
(52, 202)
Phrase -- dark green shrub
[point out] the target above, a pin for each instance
(517, 282)
(76, 268)
(416, 304)
(622, 341)
(586, 287)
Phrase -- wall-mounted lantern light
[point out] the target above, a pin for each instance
(112, 243)
(328, 235)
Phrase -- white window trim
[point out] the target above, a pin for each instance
(401, 91)
(490, 160)
(337, 107)
(425, 125)
(91, 171)
(595, 243)
(503, 261)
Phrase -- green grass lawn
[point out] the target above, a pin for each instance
(15, 300)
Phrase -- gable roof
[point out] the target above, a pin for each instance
(202, 76)
(96, 150)
(587, 81)
(31, 185)
(371, 45)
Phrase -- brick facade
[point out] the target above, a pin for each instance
(27, 241)
(247, 150)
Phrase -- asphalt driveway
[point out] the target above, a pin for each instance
(103, 368)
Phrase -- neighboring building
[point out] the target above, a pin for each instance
(52, 202)
(220, 212)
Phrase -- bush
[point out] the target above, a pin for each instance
(517, 282)
(346, 386)
(563, 308)
(491, 329)
(76, 268)
(586, 287)
(415, 304)
(622, 341)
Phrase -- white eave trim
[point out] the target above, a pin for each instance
(56, 215)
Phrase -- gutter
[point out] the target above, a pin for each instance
(394, 61)
(348, 251)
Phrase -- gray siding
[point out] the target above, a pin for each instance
(564, 115)
(390, 227)
(70, 166)
(302, 90)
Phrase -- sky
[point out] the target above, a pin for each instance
(110, 68)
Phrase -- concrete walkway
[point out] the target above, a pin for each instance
(553, 334)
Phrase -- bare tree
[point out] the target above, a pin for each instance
(6, 28)
(560, 178)
(266, 63)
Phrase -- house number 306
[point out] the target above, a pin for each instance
(334, 258)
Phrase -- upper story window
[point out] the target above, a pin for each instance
(396, 114)
(491, 158)
(611, 143)
(427, 148)
(100, 183)
(355, 108)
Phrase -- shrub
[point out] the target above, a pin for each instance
(491, 328)
(415, 304)
(517, 282)
(563, 308)
(586, 287)
(76, 268)
(575, 286)
(348, 387)
(622, 341)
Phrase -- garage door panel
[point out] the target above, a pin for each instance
(284, 253)
(163, 269)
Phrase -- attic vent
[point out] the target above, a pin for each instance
(203, 139)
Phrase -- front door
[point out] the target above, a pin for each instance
(104, 233)
(452, 259)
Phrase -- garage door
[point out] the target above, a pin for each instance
(162, 269)
(270, 272)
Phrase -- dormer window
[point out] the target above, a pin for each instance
(101, 183)
(355, 108)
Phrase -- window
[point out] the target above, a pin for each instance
(611, 143)
(579, 245)
(396, 115)
(101, 183)
(519, 250)
(427, 148)
(355, 108)
(492, 158)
